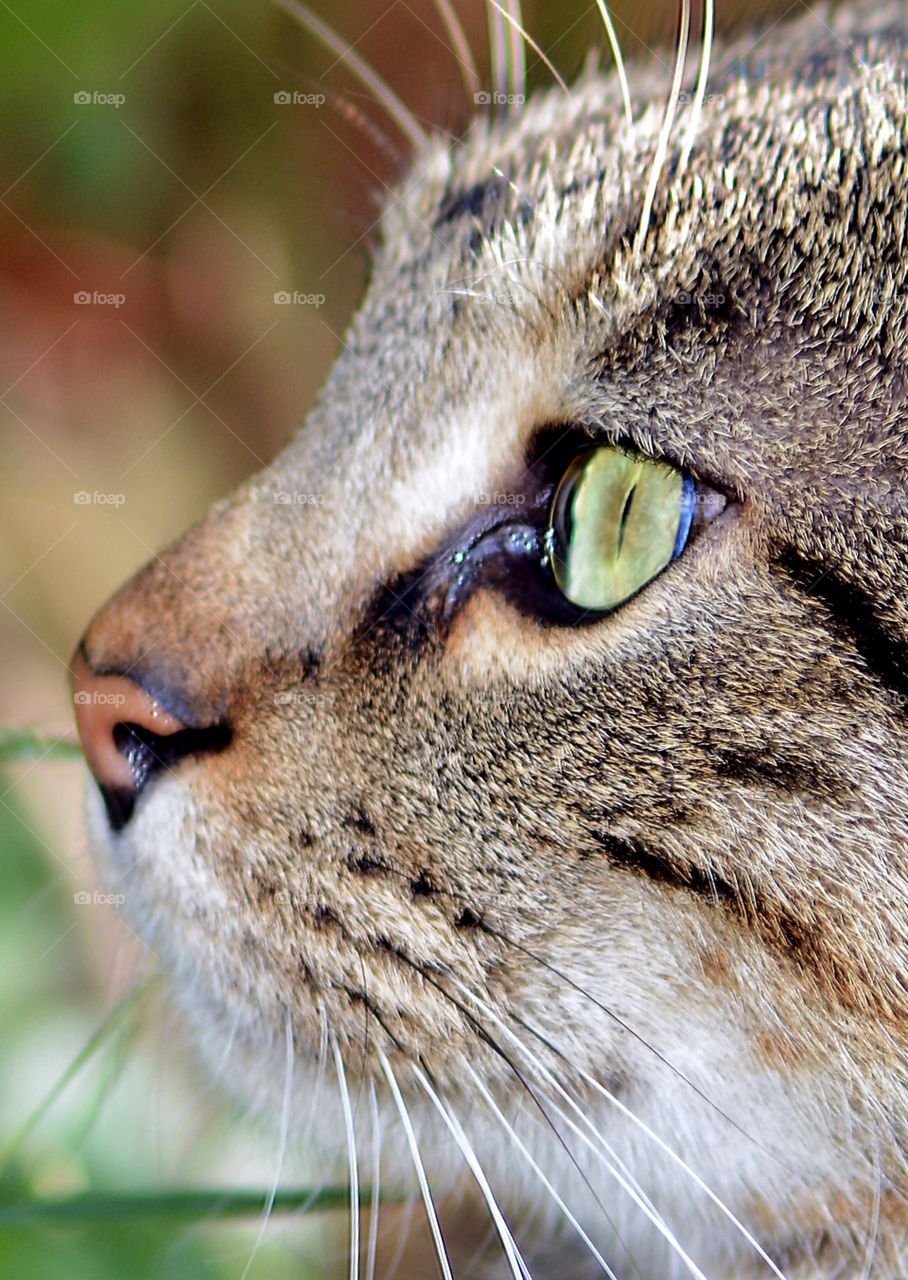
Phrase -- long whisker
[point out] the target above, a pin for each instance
(532, 43)
(518, 48)
(610, 1013)
(344, 106)
(225, 1053)
(424, 1188)
(319, 1072)
(682, 1164)
(696, 115)
(626, 1026)
(524, 1151)
(399, 113)
(635, 1119)
(375, 1205)
(351, 1157)
(627, 1183)
(537, 1101)
(283, 1138)
(497, 50)
(515, 1261)
(668, 120)
(614, 44)
(461, 45)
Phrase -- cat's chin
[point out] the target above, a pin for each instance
(758, 1145)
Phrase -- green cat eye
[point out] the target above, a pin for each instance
(617, 519)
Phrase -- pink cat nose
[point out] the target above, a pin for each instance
(104, 702)
(128, 736)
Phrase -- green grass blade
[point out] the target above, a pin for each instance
(94, 1206)
(18, 745)
(105, 1033)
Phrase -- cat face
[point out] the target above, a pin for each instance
(638, 873)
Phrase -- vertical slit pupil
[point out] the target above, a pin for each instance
(625, 516)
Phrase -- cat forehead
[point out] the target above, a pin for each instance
(561, 177)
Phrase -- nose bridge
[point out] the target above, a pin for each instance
(261, 575)
(282, 566)
(171, 665)
(182, 623)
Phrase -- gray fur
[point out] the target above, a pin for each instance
(695, 808)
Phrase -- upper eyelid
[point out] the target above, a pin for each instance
(701, 472)
(590, 435)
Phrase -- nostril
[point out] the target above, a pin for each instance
(128, 736)
(147, 752)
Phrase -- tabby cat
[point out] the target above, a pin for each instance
(513, 775)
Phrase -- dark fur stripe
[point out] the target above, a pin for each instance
(632, 856)
(775, 772)
(852, 616)
(780, 927)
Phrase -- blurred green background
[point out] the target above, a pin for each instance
(145, 165)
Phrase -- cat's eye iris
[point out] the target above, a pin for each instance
(617, 519)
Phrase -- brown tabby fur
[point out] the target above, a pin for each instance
(678, 835)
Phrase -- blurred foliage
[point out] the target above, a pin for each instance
(61, 1152)
(22, 744)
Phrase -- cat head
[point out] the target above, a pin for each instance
(385, 776)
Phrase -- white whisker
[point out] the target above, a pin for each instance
(460, 44)
(669, 1151)
(641, 1124)
(522, 1148)
(424, 1188)
(612, 36)
(399, 113)
(518, 48)
(375, 1207)
(497, 49)
(620, 1174)
(533, 45)
(403, 1235)
(682, 1164)
(306, 1124)
(351, 1158)
(516, 1263)
(284, 1134)
(696, 115)
(225, 1053)
(344, 105)
(668, 120)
